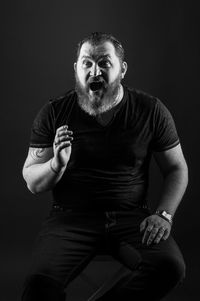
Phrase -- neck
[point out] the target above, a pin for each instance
(117, 100)
(119, 96)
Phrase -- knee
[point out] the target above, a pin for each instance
(178, 270)
(173, 270)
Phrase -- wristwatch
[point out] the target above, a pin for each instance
(167, 216)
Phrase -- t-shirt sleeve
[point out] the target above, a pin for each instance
(165, 135)
(42, 131)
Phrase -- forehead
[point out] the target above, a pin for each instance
(96, 51)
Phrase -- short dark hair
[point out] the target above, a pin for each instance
(96, 38)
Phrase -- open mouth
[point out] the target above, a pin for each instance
(95, 86)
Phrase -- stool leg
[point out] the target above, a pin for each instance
(107, 285)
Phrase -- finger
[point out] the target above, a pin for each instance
(159, 235)
(143, 225)
(62, 139)
(147, 233)
(63, 145)
(152, 235)
(64, 132)
(59, 140)
(63, 127)
(166, 234)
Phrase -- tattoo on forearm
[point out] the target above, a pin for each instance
(37, 153)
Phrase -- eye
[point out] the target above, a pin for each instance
(104, 64)
(87, 64)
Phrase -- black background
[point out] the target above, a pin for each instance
(161, 40)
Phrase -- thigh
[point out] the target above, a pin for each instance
(129, 249)
(64, 246)
(152, 270)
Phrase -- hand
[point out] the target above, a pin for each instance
(155, 228)
(62, 147)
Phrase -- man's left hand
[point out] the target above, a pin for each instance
(155, 228)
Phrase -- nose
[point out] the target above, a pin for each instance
(95, 70)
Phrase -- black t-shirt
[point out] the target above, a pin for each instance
(108, 167)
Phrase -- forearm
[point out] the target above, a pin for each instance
(41, 177)
(174, 186)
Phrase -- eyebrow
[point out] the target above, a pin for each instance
(100, 57)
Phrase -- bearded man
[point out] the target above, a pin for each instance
(92, 148)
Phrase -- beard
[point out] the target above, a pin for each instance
(95, 102)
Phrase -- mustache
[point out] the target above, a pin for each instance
(98, 78)
(95, 83)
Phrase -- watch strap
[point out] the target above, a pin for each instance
(164, 215)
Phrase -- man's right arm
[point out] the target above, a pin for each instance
(38, 171)
(44, 167)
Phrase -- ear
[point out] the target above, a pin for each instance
(124, 68)
(75, 66)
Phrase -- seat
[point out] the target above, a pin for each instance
(97, 278)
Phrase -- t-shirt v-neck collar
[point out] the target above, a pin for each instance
(106, 118)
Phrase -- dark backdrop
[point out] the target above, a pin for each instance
(39, 40)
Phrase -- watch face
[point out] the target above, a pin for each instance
(167, 215)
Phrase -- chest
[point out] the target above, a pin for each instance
(108, 148)
(115, 142)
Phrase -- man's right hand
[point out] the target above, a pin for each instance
(62, 147)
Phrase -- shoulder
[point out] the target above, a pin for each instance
(63, 99)
(141, 101)
(56, 106)
(60, 105)
(141, 97)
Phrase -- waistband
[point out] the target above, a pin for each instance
(64, 208)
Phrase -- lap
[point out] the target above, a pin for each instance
(163, 253)
(68, 242)
(128, 248)
(63, 247)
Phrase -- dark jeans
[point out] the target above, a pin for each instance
(69, 240)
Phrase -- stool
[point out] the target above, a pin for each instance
(97, 278)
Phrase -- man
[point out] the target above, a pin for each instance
(92, 147)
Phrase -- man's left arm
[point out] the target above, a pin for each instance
(174, 169)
